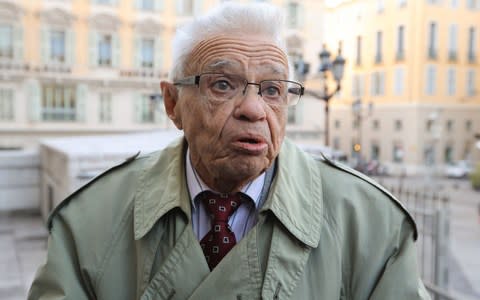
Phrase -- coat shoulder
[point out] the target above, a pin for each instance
(112, 171)
(369, 182)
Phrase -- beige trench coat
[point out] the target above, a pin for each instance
(323, 233)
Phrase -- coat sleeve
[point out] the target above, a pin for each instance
(400, 278)
(61, 276)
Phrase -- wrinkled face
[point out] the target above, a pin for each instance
(234, 141)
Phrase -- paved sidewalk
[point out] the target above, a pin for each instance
(23, 242)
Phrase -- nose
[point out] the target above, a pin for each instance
(250, 106)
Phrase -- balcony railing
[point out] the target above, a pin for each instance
(143, 72)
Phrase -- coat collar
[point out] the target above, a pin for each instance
(162, 187)
(295, 196)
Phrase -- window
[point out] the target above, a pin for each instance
(185, 7)
(451, 82)
(454, 3)
(6, 41)
(375, 151)
(292, 115)
(431, 79)
(397, 152)
(336, 143)
(376, 124)
(58, 103)
(380, 6)
(448, 155)
(471, 83)
(378, 47)
(449, 125)
(452, 42)
(399, 81)
(359, 51)
(293, 15)
(468, 125)
(146, 109)
(57, 46)
(337, 124)
(471, 4)
(358, 82)
(105, 50)
(147, 4)
(400, 43)
(432, 41)
(398, 125)
(147, 53)
(472, 40)
(377, 84)
(105, 108)
(402, 3)
(429, 125)
(6, 105)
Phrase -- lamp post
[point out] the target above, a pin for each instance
(360, 116)
(336, 68)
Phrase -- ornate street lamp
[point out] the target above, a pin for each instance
(337, 68)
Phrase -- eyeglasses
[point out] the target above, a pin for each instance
(219, 87)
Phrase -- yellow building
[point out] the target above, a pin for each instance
(78, 67)
(411, 95)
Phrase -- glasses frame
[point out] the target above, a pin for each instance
(195, 80)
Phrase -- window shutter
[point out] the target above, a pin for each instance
(70, 46)
(158, 53)
(45, 36)
(93, 48)
(115, 50)
(18, 43)
(158, 5)
(34, 95)
(81, 96)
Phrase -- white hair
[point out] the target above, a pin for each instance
(228, 18)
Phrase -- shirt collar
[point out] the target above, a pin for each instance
(196, 185)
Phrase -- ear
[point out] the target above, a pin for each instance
(170, 100)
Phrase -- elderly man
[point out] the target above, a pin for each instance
(232, 210)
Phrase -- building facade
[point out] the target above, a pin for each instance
(411, 95)
(82, 67)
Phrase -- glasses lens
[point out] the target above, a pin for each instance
(220, 87)
(280, 92)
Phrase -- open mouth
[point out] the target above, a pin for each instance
(250, 141)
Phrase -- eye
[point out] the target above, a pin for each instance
(221, 85)
(270, 89)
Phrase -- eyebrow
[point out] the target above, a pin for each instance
(221, 64)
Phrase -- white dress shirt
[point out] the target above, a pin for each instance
(242, 220)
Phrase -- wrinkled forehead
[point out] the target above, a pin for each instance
(240, 54)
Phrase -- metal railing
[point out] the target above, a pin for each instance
(432, 215)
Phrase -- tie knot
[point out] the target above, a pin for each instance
(220, 206)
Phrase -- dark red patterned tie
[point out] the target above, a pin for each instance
(220, 239)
